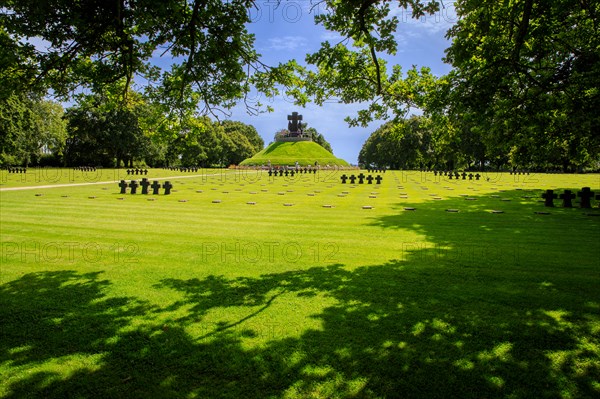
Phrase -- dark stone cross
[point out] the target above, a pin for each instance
(293, 124)
(464, 175)
(370, 179)
(457, 175)
(470, 176)
(477, 176)
(450, 176)
(292, 173)
(270, 172)
(280, 172)
(549, 198)
(137, 171)
(167, 186)
(586, 195)
(155, 187)
(123, 186)
(352, 179)
(361, 178)
(378, 179)
(567, 196)
(435, 172)
(145, 184)
(344, 178)
(133, 185)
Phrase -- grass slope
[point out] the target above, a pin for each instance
(304, 152)
(118, 296)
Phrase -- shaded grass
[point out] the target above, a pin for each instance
(132, 298)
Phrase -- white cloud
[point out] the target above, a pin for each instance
(288, 43)
(435, 24)
(332, 37)
(40, 44)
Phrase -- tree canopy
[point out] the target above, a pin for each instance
(29, 127)
(399, 145)
(64, 45)
(522, 92)
(526, 79)
(524, 89)
(102, 132)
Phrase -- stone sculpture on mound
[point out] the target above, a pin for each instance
(295, 131)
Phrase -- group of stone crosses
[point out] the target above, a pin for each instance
(290, 172)
(145, 184)
(361, 179)
(12, 169)
(137, 171)
(585, 194)
(457, 175)
(183, 168)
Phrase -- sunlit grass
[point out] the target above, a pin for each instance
(129, 297)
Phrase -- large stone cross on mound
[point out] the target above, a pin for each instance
(293, 124)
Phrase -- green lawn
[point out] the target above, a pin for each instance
(131, 298)
(53, 176)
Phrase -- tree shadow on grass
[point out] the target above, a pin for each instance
(439, 321)
(514, 236)
(402, 329)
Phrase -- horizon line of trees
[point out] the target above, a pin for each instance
(418, 143)
(101, 131)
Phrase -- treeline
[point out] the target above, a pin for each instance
(417, 143)
(523, 91)
(101, 131)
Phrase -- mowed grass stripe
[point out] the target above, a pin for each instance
(372, 303)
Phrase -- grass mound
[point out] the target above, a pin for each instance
(303, 152)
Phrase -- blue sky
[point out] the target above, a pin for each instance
(288, 31)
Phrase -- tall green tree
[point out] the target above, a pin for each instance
(105, 132)
(528, 73)
(404, 144)
(16, 118)
(202, 143)
(51, 125)
(243, 141)
(93, 43)
(30, 126)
